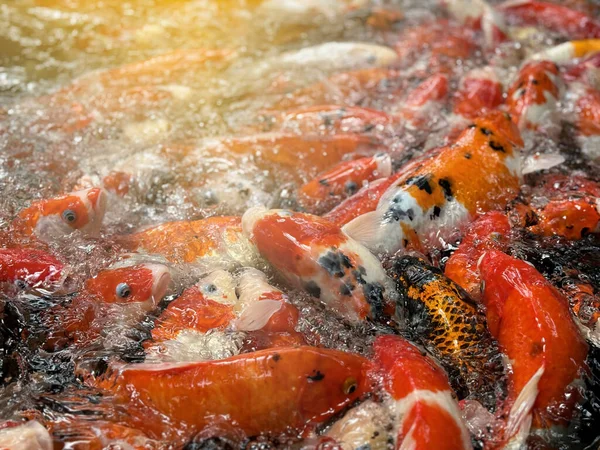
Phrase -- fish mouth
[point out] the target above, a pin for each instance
(162, 280)
(98, 199)
(250, 218)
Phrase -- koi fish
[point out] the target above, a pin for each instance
(423, 102)
(426, 413)
(213, 241)
(587, 109)
(112, 299)
(333, 119)
(534, 328)
(479, 15)
(364, 426)
(532, 98)
(570, 208)
(553, 16)
(449, 324)
(24, 436)
(480, 91)
(60, 216)
(478, 173)
(568, 51)
(26, 267)
(315, 255)
(343, 180)
(488, 232)
(306, 386)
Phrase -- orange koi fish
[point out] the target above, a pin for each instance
(532, 98)
(478, 173)
(216, 240)
(113, 298)
(486, 233)
(343, 180)
(59, 216)
(449, 324)
(306, 387)
(534, 328)
(570, 208)
(553, 16)
(314, 254)
(24, 436)
(26, 267)
(426, 413)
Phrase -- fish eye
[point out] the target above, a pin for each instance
(69, 215)
(123, 290)
(350, 385)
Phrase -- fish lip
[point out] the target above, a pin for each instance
(250, 217)
(161, 281)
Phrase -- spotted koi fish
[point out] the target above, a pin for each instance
(534, 328)
(343, 180)
(315, 255)
(486, 233)
(113, 298)
(478, 173)
(60, 216)
(234, 389)
(532, 98)
(30, 268)
(216, 240)
(426, 413)
(448, 323)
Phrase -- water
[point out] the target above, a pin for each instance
(186, 110)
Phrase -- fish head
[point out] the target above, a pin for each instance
(29, 268)
(135, 284)
(60, 216)
(334, 381)
(502, 126)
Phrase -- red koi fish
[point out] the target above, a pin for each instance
(27, 267)
(343, 180)
(480, 91)
(425, 101)
(60, 216)
(306, 386)
(216, 240)
(486, 233)
(533, 96)
(426, 413)
(570, 207)
(478, 173)
(553, 16)
(534, 328)
(315, 255)
(113, 298)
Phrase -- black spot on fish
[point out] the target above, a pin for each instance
(486, 131)
(535, 82)
(358, 276)
(436, 212)
(497, 147)
(334, 262)
(368, 127)
(445, 185)
(471, 126)
(346, 289)
(467, 155)
(324, 182)
(276, 357)
(318, 376)
(421, 181)
(350, 187)
(374, 295)
(313, 289)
